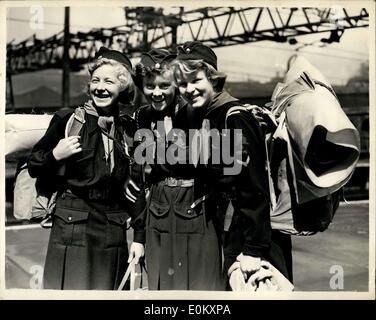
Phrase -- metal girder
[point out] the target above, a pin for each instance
(148, 27)
(219, 27)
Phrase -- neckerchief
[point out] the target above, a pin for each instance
(201, 146)
(106, 124)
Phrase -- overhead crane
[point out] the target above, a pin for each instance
(151, 27)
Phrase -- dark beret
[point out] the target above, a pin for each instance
(195, 50)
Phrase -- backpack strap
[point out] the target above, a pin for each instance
(264, 117)
(238, 109)
(75, 122)
(73, 128)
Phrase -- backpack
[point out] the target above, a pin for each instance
(31, 201)
(303, 199)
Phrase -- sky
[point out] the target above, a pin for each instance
(257, 61)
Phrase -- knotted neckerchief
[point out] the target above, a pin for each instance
(167, 123)
(108, 132)
(166, 115)
(200, 147)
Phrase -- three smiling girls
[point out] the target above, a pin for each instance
(182, 218)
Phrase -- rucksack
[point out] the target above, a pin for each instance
(303, 203)
(31, 201)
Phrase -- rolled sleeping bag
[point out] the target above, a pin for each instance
(327, 142)
(23, 131)
(324, 146)
(299, 65)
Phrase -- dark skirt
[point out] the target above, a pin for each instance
(182, 246)
(87, 247)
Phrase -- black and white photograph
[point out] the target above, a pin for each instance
(184, 150)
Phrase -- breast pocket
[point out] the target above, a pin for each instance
(83, 164)
(69, 227)
(116, 229)
(189, 220)
(158, 216)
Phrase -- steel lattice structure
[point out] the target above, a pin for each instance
(148, 27)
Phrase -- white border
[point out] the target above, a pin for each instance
(11, 294)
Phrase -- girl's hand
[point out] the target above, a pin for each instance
(136, 252)
(248, 264)
(67, 147)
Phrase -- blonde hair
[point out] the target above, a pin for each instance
(187, 67)
(124, 75)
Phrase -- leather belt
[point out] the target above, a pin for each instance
(173, 182)
(90, 194)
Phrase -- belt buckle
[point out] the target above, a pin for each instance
(95, 194)
(172, 182)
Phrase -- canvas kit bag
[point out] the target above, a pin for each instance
(30, 200)
(311, 148)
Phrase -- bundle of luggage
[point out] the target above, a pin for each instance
(312, 149)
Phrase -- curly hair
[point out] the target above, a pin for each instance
(142, 71)
(184, 67)
(124, 74)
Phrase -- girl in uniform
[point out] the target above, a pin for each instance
(182, 246)
(241, 198)
(88, 244)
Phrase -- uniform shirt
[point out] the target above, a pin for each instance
(250, 227)
(87, 173)
(147, 118)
